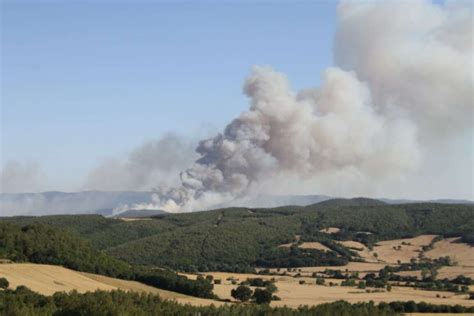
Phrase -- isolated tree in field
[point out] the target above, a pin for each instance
(262, 296)
(271, 288)
(242, 293)
(4, 283)
(320, 281)
(424, 273)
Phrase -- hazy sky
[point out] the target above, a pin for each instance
(90, 91)
(85, 81)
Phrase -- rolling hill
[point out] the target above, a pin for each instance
(239, 239)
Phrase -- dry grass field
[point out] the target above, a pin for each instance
(48, 279)
(461, 253)
(330, 230)
(308, 245)
(361, 250)
(452, 272)
(296, 288)
(294, 294)
(405, 249)
(363, 267)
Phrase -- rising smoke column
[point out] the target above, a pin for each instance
(405, 68)
(330, 128)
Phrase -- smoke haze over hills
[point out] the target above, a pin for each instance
(393, 117)
(405, 68)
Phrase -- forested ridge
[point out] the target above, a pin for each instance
(238, 239)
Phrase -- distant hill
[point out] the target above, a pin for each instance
(139, 213)
(104, 203)
(275, 201)
(86, 202)
(360, 201)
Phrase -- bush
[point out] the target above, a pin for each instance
(242, 293)
(4, 283)
(271, 288)
(262, 296)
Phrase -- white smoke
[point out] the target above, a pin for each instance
(394, 116)
(416, 58)
(21, 177)
(404, 70)
(154, 163)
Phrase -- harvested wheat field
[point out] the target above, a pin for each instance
(307, 245)
(405, 249)
(140, 287)
(452, 272)
(444, 272)
(361, 267)
(49, 279)
(294, 294)
(350, 267)
(461, 253)
(314, 245)
(330, 230)
(361, 250)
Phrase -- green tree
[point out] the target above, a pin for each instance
(271, 288)
(242, 293)
(4, 283)
(262, 296)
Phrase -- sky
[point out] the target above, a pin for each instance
(360, 98)
(83, 81)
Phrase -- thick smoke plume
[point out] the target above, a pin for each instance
(403, 70)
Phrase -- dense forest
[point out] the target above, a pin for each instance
(39, 243)
(23, 302)
(238, 239)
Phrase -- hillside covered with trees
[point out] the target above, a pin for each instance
(239, 239)
(38, 243)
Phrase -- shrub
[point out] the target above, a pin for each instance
(242, 293)
(262, 296)
(4, 283)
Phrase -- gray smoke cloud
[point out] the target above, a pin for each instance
(154, 164)
(403, 70)
(394, 116)
(415, 57)
(20, 177)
